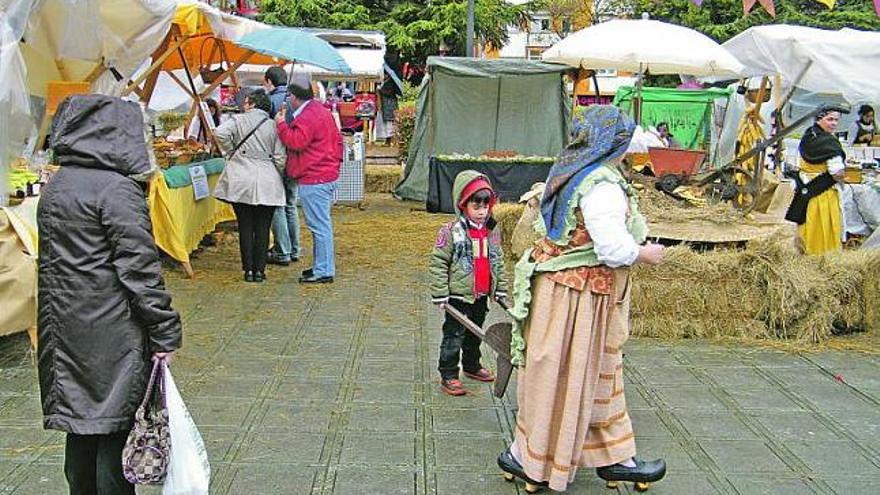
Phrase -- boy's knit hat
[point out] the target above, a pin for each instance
(473, 186)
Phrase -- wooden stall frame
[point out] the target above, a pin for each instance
(173, 43)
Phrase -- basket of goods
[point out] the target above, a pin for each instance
(191, 150)
(163, 150)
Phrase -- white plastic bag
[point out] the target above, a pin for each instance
(189, 472)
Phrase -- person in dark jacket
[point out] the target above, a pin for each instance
(103, 308)
(285, 221)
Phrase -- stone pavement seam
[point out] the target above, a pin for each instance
(423, 396)
(777, 447)
(333, 444)
(700, 458)
(856, 390)
(252, 419)
(827, 420)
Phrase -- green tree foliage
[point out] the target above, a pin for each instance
(723, 19)
(413, 29)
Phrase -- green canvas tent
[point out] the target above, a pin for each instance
(687, 111)
(473, 106)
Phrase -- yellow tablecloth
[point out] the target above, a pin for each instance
(179, 221)
(18, 267)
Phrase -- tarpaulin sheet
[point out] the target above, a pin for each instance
(472, 106)
(66, 40)
(687, 111)
(840, 59)
(15, 122)
(179, 221)
(206, 24)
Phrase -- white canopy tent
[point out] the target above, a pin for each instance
(75, 41)
(844, 62)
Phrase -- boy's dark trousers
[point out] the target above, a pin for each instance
(459, 342)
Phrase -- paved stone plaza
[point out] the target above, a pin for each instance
(333, 389)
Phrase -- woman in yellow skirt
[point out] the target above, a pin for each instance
(816, 205)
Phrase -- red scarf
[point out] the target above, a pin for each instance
(482, 268)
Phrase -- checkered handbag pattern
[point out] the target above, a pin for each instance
(147, 450)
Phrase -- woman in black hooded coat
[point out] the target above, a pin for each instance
(103, 308)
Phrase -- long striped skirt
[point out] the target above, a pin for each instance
(572, 411)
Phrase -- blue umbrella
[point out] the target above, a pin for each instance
(295, 45)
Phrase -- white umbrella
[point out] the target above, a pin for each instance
(644, 45)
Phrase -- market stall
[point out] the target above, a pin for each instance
(181, 205)
(475, 107)
(688, 112)
(364, 51)
(18, 258)
(179, 216)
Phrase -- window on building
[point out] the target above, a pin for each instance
(534, 53)
(566, 26)
(545, 24)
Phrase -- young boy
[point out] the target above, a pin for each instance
(466, 268)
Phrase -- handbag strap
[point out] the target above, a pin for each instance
(249, 134)
(154, 376)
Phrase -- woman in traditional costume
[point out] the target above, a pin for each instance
(816, 204)
(864, 129)
(572, 296)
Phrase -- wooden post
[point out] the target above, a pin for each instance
(96, 72)
(157, 63)
(180, 83)
(637, 99)
(197, 101)
(225, 57)
(226, 74)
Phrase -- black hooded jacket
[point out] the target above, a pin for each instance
(103, 307)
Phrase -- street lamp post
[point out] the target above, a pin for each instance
(469, 44)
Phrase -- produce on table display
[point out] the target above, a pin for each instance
(170, 153)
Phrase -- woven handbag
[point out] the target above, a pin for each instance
(147, 450)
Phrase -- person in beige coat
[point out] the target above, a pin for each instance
(251, 181)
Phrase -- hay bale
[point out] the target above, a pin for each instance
(694, 295)
(524, 234)
(765, 290)
(382, 178)
(507, 215)
(853, 280)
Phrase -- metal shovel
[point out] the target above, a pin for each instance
(497, 337)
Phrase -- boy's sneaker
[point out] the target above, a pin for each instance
(482, 375)
(452, 386)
